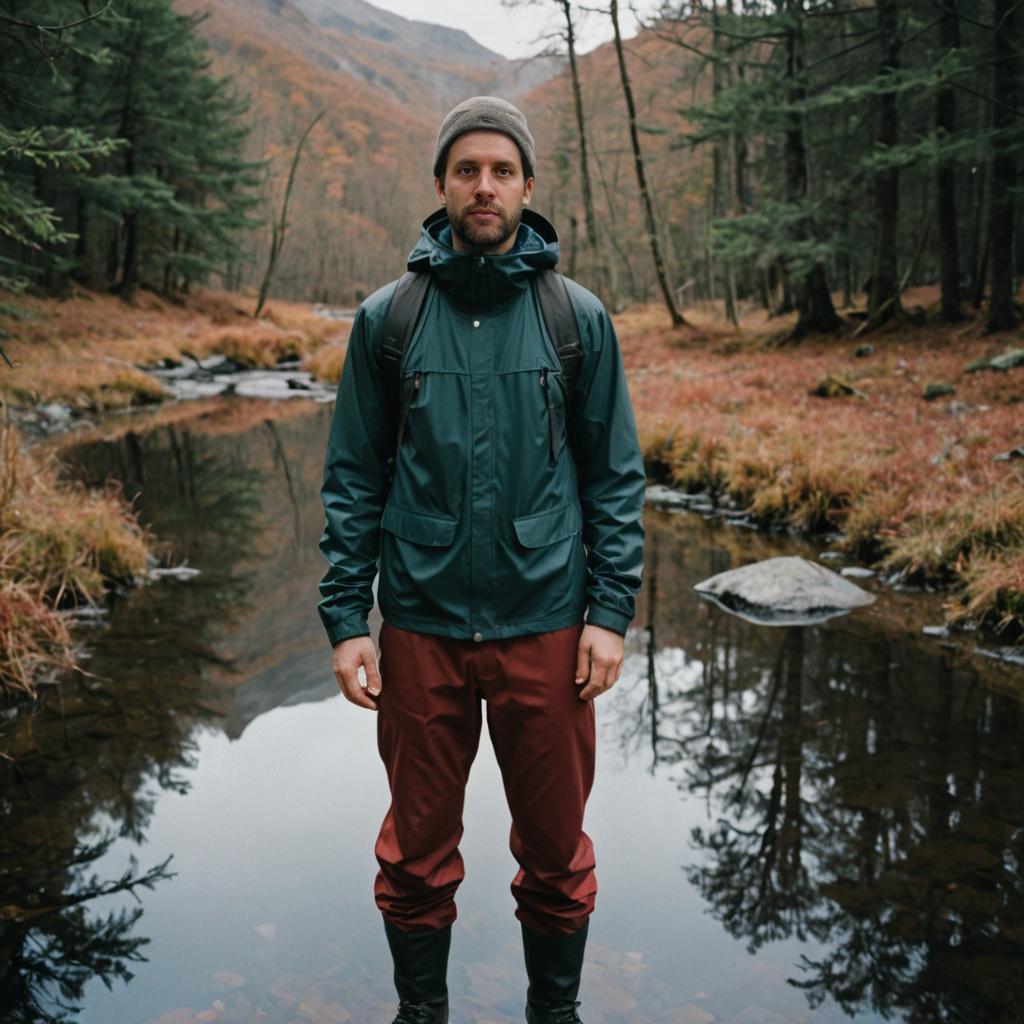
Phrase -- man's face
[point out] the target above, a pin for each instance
(484, 192)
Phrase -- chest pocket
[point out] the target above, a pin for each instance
(432, 455)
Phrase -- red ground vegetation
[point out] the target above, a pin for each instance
(912, 484)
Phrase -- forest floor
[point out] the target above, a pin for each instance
(914, 460)
(911, 484)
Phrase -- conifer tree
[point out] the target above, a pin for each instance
(37, 138)
(147, 183)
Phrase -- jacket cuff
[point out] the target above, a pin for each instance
(599, 615)
(345, 631)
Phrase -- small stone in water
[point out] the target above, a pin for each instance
(178, 572)
(856, 572)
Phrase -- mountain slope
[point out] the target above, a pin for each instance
(364, 180)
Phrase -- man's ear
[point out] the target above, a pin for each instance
(439, 188)
(527, 191)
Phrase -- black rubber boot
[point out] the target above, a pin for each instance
(553, 965)
(421, 969)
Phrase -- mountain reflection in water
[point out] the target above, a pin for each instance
(854, 793)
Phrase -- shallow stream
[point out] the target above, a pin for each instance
(791, 824)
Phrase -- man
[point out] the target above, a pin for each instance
(501, 498)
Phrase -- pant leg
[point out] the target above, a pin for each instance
(544, 739)
(428, 731)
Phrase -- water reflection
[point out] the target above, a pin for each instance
(846, 800)
(86, 767)
(866, 797)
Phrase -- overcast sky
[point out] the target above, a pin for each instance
(513, 33)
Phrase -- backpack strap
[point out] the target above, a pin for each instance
(407, 302)
(564, 335)
(560, 321)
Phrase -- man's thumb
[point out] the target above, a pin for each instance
(373, 685)
(582, 664)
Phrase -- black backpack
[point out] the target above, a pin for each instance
(404, 311)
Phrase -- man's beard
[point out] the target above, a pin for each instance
(484, 237)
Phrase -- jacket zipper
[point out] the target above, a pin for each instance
(403, 410)
(552, 421)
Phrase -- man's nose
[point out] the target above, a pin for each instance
(485, 184)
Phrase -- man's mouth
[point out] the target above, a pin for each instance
(483, 212)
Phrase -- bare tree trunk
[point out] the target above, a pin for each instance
(129, 222)
(884, 297)
(652, 234)
(945, 174)
(278, 227)
(743, 203)
(812, 295)
(722, 205)
(590, 218)
(1005, 57)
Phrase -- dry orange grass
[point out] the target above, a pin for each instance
(327, 361)
(84, 350)
(911, 483)
(59, 544)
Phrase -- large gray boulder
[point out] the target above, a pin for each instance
(785, 591)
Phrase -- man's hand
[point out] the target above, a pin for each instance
(348, 656)
(598, 660)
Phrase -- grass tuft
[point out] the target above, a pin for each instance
(60, 545)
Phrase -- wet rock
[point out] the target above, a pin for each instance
(1008, 360)
(55, 413)
(831, 556)
(87, 615)
(1013, 453)
(661, 496)
(784, 591)
(224, 365)
(861, 351)
(936, 389)
(1001, 363)
(177, 572)
(1011, 655)
(939, 631)
(856, 572)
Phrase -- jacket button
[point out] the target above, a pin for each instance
(478, 637)
(476, 323)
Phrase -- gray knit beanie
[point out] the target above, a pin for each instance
(484, 112)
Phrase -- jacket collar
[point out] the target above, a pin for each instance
(484, 282)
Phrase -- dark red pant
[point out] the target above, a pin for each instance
(428, 730)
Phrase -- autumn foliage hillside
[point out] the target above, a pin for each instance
(364, 181)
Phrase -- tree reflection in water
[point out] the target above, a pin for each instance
(867, 795)
(84, 767)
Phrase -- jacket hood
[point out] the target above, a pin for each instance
(484, 282)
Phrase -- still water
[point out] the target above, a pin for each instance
(815, 824)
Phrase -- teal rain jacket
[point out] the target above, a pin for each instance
(493, 525)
